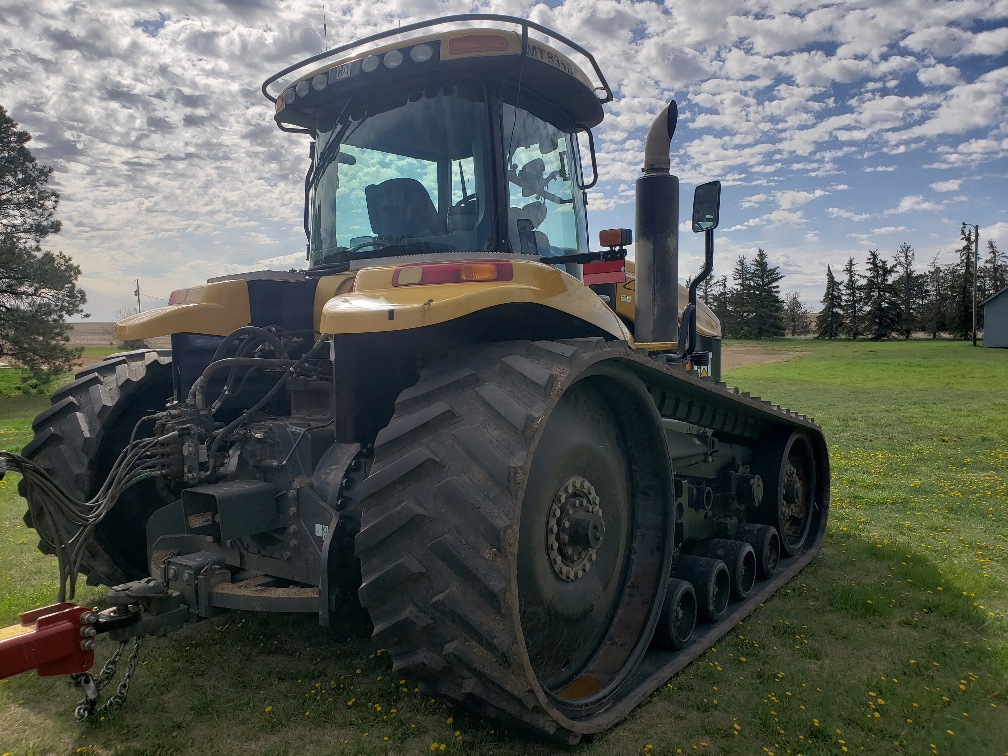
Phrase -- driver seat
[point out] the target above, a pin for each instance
(402, 207)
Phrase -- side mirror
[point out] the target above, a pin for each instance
(706, 204)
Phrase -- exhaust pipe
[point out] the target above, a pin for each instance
(656, 249)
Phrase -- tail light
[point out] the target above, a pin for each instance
(444, 273)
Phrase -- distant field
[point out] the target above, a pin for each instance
(894, 640)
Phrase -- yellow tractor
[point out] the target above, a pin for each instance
(517, 456)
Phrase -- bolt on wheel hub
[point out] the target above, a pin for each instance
(575, 529)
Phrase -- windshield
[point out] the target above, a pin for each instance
(403, 174)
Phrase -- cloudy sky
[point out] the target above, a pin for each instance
(837, 126)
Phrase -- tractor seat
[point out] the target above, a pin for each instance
(402, 207)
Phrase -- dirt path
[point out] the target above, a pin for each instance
(740, 355)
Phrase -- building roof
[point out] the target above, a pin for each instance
(999, 294)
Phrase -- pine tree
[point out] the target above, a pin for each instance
(882, 311)
(830, 319)
(739, 300)
(994, 273)
(852, 307)
(796, 315)
(38, 289)
(767, 321)
(719, 303)
(905, 285)
(961, 324)
(937, 289)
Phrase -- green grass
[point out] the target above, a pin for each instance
(893, 638)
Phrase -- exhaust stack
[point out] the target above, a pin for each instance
(657, 231)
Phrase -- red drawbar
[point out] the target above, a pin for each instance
(48, 639)
(605, 272)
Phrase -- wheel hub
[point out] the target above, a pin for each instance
(794, 506)
(575, 529)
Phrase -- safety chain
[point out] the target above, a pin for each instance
(88, 708)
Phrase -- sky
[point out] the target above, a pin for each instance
(836, 126)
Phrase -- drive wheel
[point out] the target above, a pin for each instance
(78, 439)
(584, 550)
(515, 541)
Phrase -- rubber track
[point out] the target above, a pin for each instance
(438, 541)
(68, 438)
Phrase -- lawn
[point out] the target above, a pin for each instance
(894, 640)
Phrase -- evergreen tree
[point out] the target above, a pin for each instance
(961, 322)
(994, 273)
(905, 286)
(882, 308)
(829, 322)
(739, 305)
(796, 315)
(719, 302)
(38, 289)
(936, 295)
(767, 306)
(852, 306)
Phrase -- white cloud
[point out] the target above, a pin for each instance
(939, 75)
(916, 203)
(790, 199)
(952, 185)
(837, 212)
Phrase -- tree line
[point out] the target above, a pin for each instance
(893, 299)
(884, 299)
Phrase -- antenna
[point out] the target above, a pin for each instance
(325, 30)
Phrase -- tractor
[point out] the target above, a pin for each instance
(513, 450)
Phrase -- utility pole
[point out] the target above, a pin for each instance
(976, 256)
(137, 292)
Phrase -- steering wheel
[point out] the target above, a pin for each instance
(465, 200)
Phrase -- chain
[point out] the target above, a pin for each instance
(88, 707)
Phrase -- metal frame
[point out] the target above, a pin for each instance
(523, 23)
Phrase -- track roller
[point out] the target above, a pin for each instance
(710, 580)
(678, 615)
(766, 544)
(740, 558)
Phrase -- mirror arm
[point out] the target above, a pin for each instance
(687, 329)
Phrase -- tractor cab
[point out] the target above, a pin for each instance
(433, 140)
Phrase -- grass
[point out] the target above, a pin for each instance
(894, 640)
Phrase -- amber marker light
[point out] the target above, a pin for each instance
(445, 273)
(477, 43)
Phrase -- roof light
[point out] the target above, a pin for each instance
(369, 64)
(302, 88)
(393, 58)
(446, 273)
(477, 43)
(178, 296)
(421, 53)
(289, 95)
(319, 82)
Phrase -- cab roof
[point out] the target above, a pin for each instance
(487, 45)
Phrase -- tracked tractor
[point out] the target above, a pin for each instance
(516, 456)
